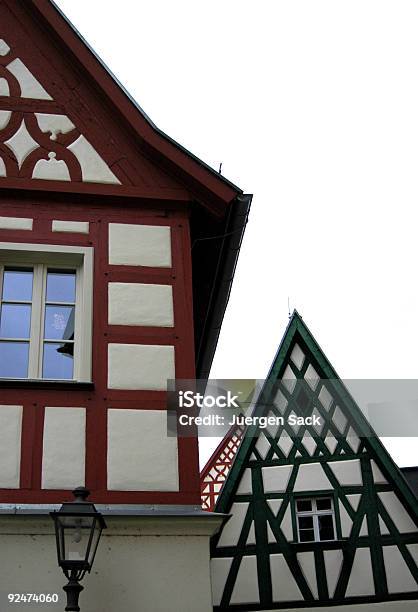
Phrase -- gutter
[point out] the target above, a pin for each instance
(221, 289)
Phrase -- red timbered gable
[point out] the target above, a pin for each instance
(102, 298)
(217, 468)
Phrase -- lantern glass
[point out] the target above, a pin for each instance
(76, 532)
(78, 527)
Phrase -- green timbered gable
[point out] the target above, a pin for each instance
(365, 549)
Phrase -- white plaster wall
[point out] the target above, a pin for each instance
(219, 569)
(245, 486)
(141, 457)
(246, 584)
(140, 366)
(233, 528)
(78, 227)
(399, 577)
(16, 223)
(64, 448)
(310, 477)
(347, 472)
(284, 585)
(132, 572)
(141, 304)
(275, 478)
(139, 245)
(10, 444)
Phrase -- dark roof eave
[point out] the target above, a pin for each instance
(230, 249)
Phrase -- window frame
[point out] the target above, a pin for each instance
(315, 514)
(41, 257)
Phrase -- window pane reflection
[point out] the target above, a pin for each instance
(17, 285)
(60, 286)
(14, 359)
(15, 321)
(59, 322)
(58, 361)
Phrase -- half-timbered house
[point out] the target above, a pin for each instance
(117, 253)
(321, 516)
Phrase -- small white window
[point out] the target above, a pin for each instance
(315, 519)
(45, 313)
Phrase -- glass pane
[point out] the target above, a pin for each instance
(76, 542)
(326, 527)
(59, 322)
(58, 361)
(305, 522)
(323, 504)
(304, 505)
(17, 285)
(307, 535)
(15, 321)
(60, 286)
(14, 359)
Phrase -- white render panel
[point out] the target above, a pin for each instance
(263, 445)
(413, 549)
(274, 505)
(140, 455)
(219, 569)
(10, 445)
(354, 500)
(286, 525)
(347, 472)
(275, 478)
(377, 474)
(397, 512)
(245, 486)
(284, 584)
(140, 245)
(399, 578)
(29, 85)
(246, 584)
(311, 477)
(361, 577)
(76, 227)
(307, 564)
(18, 223)
(346, 522)
(140, 366)
(333, 561)
(64, 448)
(233, 527)
(93, 168)
(141, 304)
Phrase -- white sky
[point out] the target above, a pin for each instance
(311, 106)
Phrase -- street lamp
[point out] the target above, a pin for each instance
(78, 527)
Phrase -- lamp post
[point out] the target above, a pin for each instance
(78, 527)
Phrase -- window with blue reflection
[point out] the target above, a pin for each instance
(60, 286)
(14, 359)
(15, 321)
(59, 322)
(17, 285)
(58, 361)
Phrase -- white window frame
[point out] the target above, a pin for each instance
(315, 514)
(39, 257)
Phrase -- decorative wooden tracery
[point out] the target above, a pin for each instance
(217, 468)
